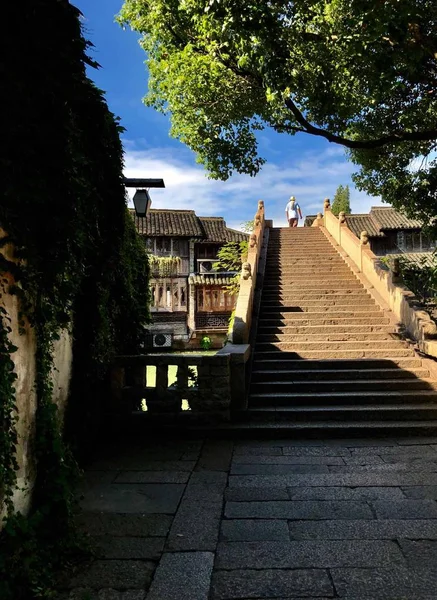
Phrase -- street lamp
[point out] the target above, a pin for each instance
(141, 198)
(142, 203)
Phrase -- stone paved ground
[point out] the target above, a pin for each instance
(270, 519)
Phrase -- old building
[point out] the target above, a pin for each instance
(188, 296)
(389, 231)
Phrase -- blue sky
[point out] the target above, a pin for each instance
(303, 166)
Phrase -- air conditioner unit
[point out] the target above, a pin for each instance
(205, 266)
(162, 340)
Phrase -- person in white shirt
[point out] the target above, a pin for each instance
(292, 210)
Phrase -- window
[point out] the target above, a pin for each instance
(169, 294)
(214, 299)
(413, 241)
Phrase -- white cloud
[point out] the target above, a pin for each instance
(310, 177)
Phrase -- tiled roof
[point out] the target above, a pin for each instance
(309, 220)
(419, 259)
(389, 218)
(216, 231)
(380, 219)
(210, 279)
(185, 223)
(359, 223)
(177, 223)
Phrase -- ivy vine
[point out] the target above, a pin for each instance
(164, 266)
(78, 264)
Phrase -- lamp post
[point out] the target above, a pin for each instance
(142, 201)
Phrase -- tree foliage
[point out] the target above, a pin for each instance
(341, 202)
(230, 259)
(357, 73)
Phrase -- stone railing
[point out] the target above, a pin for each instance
(179, 388)
(396, 296)
(243, 311)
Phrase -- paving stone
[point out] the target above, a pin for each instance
(183, 576)
(93, 479)
(262, 494)
(307, 554)
(245, 584)
(315, 451)
(404, 451)
(246, 530)
(421, 553)
(212, 492)
(386, 468)
(335, 479)
(361, 442)
(265, 443)
(385, 584)
(298, 510)
(125, 525)
(217, 477)
(146, 498)
(129, 547)
(406, 509)
(215, 456)
(247, 459)
(423, 492)
(119, 574)
(367, 459)
(257, 451)
(248, 469)
(426, 456)
(152, 477)
(346, 493)
(195, 526)
(377, 529)
(191, 455)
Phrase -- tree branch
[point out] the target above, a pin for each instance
(395, 138)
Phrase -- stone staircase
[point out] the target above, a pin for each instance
(326, 355)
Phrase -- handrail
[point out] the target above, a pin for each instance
(397, 296)
(243, 310)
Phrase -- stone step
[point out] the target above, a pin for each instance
(333, 346)
(281, 283)
(334, 386)
(302, 414)
(356, 374)
(352, 398)
(299, 272)
(278, 355)
(335, 296)
(336, 334)
(310, 295)
(335, 285)
(318, 428)
(320, 319)
(307, 312)
(288, 362)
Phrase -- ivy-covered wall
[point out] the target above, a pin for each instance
(77, 262)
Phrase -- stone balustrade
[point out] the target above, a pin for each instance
(179, 388)
(384, 283)
(243, 310)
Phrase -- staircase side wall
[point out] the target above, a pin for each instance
(399, 298)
